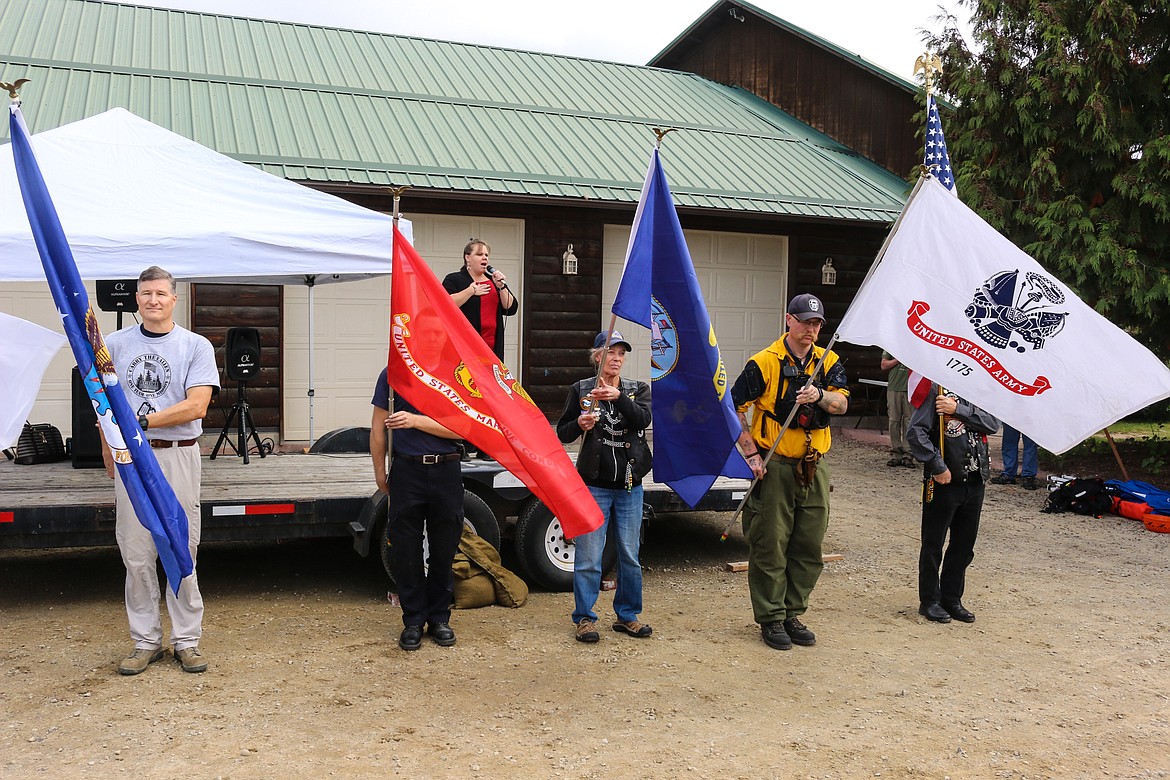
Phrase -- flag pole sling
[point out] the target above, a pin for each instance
(783, 429)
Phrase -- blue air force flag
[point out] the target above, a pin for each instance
(695, 426)
(154, 501)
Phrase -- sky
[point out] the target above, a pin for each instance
(626, 31)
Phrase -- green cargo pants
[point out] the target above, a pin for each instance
(784, 525)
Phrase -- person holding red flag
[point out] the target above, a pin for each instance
(425, 485)
(613, 414)
(463, 387)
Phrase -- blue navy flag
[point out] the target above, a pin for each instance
(937, 162)
(695, 425)
(154, 501)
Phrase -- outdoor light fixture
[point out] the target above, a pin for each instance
(569, 262)
(828, 272)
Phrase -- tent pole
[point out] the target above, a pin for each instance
(310, 281)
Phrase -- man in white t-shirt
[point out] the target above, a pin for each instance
(169, 376)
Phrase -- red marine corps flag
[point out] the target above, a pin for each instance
(445, 370)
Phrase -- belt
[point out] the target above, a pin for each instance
(163, 444)
(430, 460)
(784, 459)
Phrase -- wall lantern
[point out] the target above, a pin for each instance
(569, 262)
(828, 272)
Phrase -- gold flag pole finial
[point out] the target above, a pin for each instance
(12, 88)
(929, 64)
(397, 193)
(659, 134)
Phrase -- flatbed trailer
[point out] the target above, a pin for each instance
(298, 496)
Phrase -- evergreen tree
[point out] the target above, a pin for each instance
(1060, 136)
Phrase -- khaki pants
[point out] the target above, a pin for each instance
(182, 468)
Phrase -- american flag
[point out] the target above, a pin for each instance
(938, 164)
(937, 161)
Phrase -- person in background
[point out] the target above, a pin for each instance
(1011, 460)
(483, 297)
(955, 471)
(787, 513)
(898, 409)
(169, 376)
(612, 414)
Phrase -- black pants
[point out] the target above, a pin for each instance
(955, 507)
(430, 497)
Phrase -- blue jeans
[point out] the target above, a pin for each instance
(623, 512)
(1011, 453)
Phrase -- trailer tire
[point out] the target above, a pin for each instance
(546, 559)
(477, 516)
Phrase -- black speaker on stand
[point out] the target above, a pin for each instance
(241, 362)
(86, 444)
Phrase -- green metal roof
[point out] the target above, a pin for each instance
(344, 106)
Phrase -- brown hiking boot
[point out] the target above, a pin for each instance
(191, 659)
(137, 661)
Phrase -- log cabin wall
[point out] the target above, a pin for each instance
(564, 311)
(217, 308)
(851, 104)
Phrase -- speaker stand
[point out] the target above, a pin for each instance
(241, 413)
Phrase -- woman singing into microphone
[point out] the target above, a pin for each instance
(482, 294)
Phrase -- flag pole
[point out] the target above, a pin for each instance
(783, 429)
(605, 348)
(659, 134)
(397, 193)
(1116, 454)
(929, 64)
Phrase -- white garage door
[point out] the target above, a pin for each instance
(742, 277)
(351, 325)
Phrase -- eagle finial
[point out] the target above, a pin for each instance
(928, 64)
(13, 87)
(659, 134)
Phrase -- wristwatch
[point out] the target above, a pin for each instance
(143, 422)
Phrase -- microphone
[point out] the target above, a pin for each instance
(503, 285)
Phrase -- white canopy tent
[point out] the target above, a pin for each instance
(131, 194)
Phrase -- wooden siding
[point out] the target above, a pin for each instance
(216, 309)
(853, 253)
(857, 108)
(563, 311)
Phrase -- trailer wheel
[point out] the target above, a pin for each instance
(545, 556)
(477, 516)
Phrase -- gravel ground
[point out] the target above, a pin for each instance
(1063, 675)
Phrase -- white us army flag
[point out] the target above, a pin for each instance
(959, 303)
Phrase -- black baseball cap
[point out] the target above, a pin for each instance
(616, 339)
(807, 307)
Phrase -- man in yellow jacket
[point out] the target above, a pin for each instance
(785, 518)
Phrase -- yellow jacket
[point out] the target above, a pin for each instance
(762, 386)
